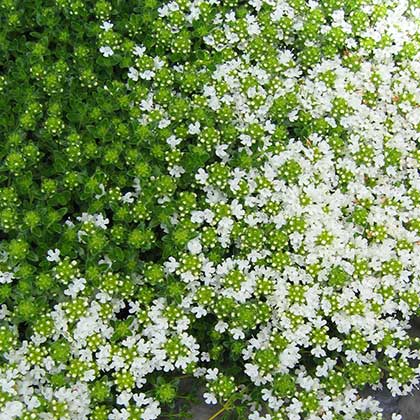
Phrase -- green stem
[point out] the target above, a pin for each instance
(224, 408)
(227, 405)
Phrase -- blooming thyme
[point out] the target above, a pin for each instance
(218, 190)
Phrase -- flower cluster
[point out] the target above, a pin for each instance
(220, 190)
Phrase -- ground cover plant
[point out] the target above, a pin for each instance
(222, 193)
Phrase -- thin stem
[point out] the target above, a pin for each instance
(181, 376)
(227, 405)
(218, 413)
(175, 415)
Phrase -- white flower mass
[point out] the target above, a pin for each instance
(298, 239)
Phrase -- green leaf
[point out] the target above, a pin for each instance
(33, 256)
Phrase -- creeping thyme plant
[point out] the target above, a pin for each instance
(222, 192)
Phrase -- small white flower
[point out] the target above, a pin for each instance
(394, 386)
(171, 265)
(205, 357)
(147, 74)
(4, 311)
(237, 209)
(124, 398)
(6, 277)
(100, 221)
(106, 25)
(194, 246)
(133, 74)
(237, 333)
(106, 51)
(173, 141)
(103, 192)
(140, 399)
(221, 326)
(127, 198)
(53, 255)
(201, 176)
(139, 50)
(221, 151)
(194, 128)
(32, 403)
(209, 398)
(151, 412)
(89, 375)
(158, 63)
(164, 122)
(13, 409)
(176, 171)
(199, 311)
(212, 374)
(77, 286)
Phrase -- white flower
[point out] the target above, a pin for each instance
(127, 198)
(194, 246)
(158, 63)
(197, 216)
(140, 399)
(164, 122)
(171, 265)
(201, 176)
(252, 371)
(53, 255)
(394, 386)
(212, 374)
(253, 27)
(139, 50)
(237, 333)
(103, 192)
(334, 344)
(89, 375)
(106, 25)
(205, 357)
(147, 74)
(221, 152)
(195, 13)
(4, 311)
(134, 307)
(124, 398)
(176, 171)
(209, 398)
(77, 286)
(133, 74)
(194, 128)
(147, 104)
(13, 409)
(32, 402)
(100, 221)
(290, 356)
(173, 141)
(106, 51)
(237, 209)
(151, 412)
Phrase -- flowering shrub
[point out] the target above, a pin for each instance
(221, 190)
